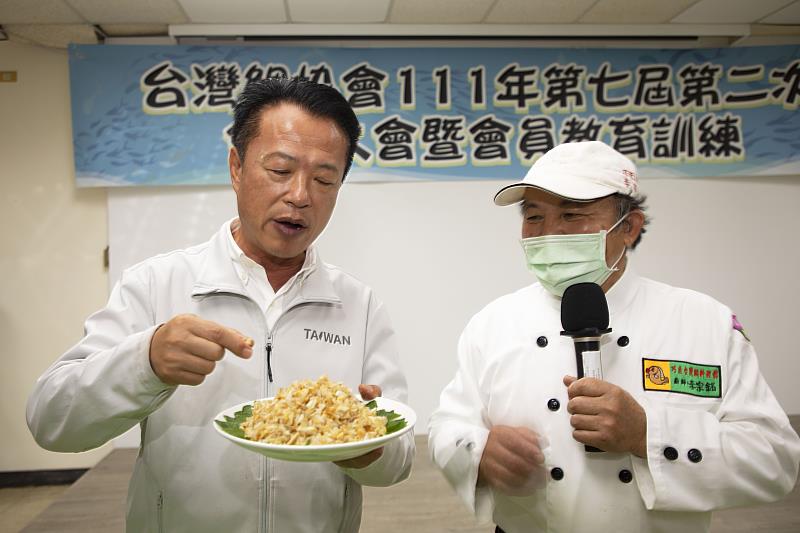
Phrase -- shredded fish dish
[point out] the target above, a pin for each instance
(313, 412)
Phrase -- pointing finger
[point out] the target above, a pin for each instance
(228, 338)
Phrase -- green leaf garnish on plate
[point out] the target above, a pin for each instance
(232, 424)
(394, 421)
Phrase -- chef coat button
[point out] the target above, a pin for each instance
(553, 404)
(623, 341)
(541, 342)
(557, 474)
(670, 453)
(695, 455)
(625, 476)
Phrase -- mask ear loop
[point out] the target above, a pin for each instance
(618, 222)
(613, 267)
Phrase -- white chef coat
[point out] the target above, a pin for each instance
(703, 452)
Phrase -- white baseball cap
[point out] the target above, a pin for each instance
(579, 171)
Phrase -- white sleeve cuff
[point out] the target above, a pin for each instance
(143, 371)
(461, 471)
(390, 468)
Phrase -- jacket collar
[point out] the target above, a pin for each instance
(219, 275)
(622, 293)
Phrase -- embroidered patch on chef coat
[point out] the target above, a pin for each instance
(682, 377)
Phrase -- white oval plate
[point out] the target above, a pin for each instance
(321, 452)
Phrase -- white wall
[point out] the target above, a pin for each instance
(52, 242)
(438, 252)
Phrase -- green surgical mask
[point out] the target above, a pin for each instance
(559, 261)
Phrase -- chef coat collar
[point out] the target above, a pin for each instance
(621, 294)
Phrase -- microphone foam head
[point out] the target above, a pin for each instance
(584, 306)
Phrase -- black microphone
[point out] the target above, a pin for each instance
(584, 317)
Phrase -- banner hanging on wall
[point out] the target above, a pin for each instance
(161, 115)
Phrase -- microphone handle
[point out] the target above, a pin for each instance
(586, 344)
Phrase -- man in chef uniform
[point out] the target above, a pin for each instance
(685, 420)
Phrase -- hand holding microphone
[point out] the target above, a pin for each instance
(605, 416)
(584, 317)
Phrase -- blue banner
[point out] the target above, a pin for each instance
(160, 115)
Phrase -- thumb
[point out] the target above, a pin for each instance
(569, 380)
(368, 392)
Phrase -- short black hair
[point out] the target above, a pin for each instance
(314, 98)
(626, 204)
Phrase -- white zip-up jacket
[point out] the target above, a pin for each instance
(188, 478)
(716, 436)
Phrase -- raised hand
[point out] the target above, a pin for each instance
(186, 349)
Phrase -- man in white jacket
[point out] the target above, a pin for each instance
(191, 332)
(684, 419)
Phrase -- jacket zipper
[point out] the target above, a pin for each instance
(269, 357)
(345, 500)
(160, 512)
(266, 467)
(270, 338)
(268, 518)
